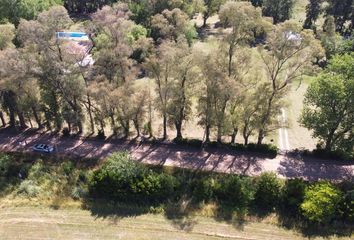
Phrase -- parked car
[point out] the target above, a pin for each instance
(43, 148)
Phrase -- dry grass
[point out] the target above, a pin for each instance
(46, 223)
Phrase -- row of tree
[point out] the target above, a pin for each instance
(235, 88)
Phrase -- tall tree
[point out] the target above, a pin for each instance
(329, 105)
(313, 11)
(55, 67)
(279, 10)
(289, 53)
(211, 7)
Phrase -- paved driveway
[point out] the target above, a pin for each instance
(168, 154)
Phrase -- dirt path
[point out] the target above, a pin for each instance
(220, 160)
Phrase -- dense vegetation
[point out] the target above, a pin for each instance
(238, 88)
(123, 181)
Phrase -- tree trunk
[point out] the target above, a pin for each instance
(245, 134)
(164, 127)
(2, 118)
(113, 123)
(178, 130)
(36, 117)
(137, 127)
(233, 135)
(219, 134)
(22, 120)
(89, 109)
(80, 127)
(205, 18)
(260, 136)
(207, 133)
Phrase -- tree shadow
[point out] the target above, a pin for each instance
(180, 214)
(314, 169)
(113, 211)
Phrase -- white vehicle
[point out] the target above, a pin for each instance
(43, 148)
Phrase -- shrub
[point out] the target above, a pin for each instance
(268, 191)
(235, 191)
(29, 189)
(321, 202)
(5, 165)
(347, 207)
(67, 167)
(293, 193)
(79, 192)
(203, 189)
(122, 179)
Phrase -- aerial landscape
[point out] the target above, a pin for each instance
(176, 119)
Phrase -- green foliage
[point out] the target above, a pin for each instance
(268, 191)
(346, 208)
(203, 189)
(5, 164)
(280, 10)
(236, 191)
(29, 188)
(313, 10)
(26, 9)
(321, 202)
(292, 196)
(329, 106)
(122, 179)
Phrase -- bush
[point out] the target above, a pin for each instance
(5, 165)
(347, 207)
(293, 194)
(235, 191)
(79, 192)
(267, 195)
(29, 189)
(122, 179)
(203, 189)
(321, 202)
(67, 167)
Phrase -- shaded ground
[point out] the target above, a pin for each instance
(168, 154)
(44, 223)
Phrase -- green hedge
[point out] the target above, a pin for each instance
(122, 179)
(269, 149)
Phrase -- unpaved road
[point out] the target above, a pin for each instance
(220, 160)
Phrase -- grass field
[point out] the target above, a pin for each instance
(46, 223)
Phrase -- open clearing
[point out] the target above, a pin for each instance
(46, 223)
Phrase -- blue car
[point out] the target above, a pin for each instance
(43, 148)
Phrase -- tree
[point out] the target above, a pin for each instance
(172, 24)
(172, 69)
(313, 10)
(289, 53)
(13, 11)
(55, 67)
(211, 7)
(342, 11)
(279, 10)
(185, 75)
(329, 108)
(321, 202)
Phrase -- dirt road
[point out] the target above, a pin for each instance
(220, 160)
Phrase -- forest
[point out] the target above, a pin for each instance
(148, 68)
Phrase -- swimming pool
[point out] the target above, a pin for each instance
(75, 36)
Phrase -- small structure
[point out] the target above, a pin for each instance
(78, 44)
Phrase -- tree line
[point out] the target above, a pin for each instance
(237, 88)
